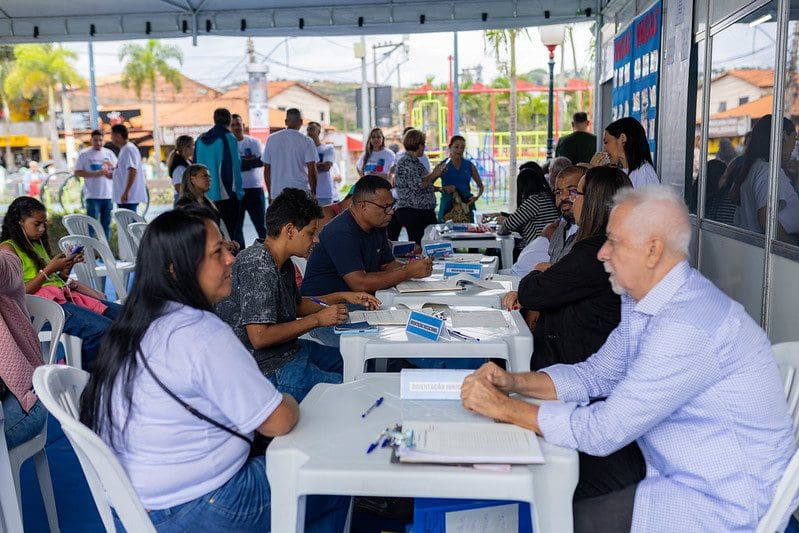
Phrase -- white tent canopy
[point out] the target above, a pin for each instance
(82, 20)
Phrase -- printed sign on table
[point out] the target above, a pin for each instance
(453, 269)
(438, 249)
(424, 325)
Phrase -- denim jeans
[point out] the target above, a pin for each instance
(100, 208)
(89, 326)
(254, 203)
(313, 364)
(243, 504)
(132, 207)
(21, 426)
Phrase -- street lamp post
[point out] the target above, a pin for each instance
(552, 37)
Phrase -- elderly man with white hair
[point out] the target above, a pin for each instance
(687, 374)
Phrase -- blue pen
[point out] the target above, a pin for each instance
(376, 404)
(376, 443)
(318, 301)
(462, 336)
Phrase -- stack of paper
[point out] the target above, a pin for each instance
(463, 442)
(455, 283)
(492, 318)
(382, 317)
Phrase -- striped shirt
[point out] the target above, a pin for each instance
(692, 378)
(532, 216)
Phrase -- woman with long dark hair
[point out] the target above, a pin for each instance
(178, 160)
(750, 183)
(376, 159)
(578, 310)
(88, 314)
(627, 147)
(169, 350)
(536, 211)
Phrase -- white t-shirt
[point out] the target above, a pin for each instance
(379, 162)
(754, 196)
(325, 188)
(129, 157)
(91, 160)
(643, 175)
(250, 148)
(170, 455)
(287, 153)
(177, 174)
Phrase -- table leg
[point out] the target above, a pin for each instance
(551, 501)
(288, 506)
(506, 251)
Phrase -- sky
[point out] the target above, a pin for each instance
(220, 61)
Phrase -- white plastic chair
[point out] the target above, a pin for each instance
(41, 311)
(787, 356)
(136, 232)
(78, 224)
(59, 389)
(87, 271)
(10, 513)
(124, 218)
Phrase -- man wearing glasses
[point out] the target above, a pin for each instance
(354, 253)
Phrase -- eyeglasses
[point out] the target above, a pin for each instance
(386, 208)
(574, 193)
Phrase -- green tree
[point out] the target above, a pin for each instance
(6, 62)
(42, 67)
(503, 43)
(142, 65)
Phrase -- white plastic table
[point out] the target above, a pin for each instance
(504, 243)
(326, 454)
(514, 344)
(486, 270)
(476, 296)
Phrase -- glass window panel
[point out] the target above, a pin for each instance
(721, 8)
(742, 66)
(694, 154)
(700, 15)
(787, 212)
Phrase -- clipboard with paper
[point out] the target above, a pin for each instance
(455, 283)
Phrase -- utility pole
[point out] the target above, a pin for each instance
(360, 53)
(258, 110)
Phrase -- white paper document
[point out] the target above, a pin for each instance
(459, 442)
(493, 318)
(382, 317)
(455, 283)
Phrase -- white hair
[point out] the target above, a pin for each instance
(657, 210)
(557, 165)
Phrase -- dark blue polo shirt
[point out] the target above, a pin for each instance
(343, 248)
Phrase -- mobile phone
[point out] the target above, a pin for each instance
(76, 250)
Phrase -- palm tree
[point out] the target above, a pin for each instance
(6, 62)
(42, 67)
(143, 64)
(502, 42)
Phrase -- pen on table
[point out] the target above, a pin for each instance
(376, 443)
(318, 301)
(376, 404)
(462, 336)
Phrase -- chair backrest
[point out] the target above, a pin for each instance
(136, 232)
(87, 271)
(78, 224)
(59, 389)
(124, 218)
(787, 356)
(42, 311)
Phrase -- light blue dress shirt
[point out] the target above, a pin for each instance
(691, 377)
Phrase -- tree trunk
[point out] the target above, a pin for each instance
(512, 121)
(156, 134)
(55, 152)
(69, 135)
(574, 49)
(9, 157)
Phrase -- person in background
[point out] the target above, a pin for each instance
(556, 166)
(190, 472)
(218, 150)
(326, 192)
(627, 147)
(750, 183)
(687, 374)
(252, 175)
(401, 150)
(290, 158)
(537, 210)
(88, 314)
(718, 205)
(128, 176)
(354, 253)
(416, 201)
(265, 308)
(20, 354)
(178, 160)
(96, 166)
(376, 159)
(579, 145)
(336, 208)
(524, 186)
(457, 178)
(556, 239)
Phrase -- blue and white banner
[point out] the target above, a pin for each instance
(453, 269)
(438, 249)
